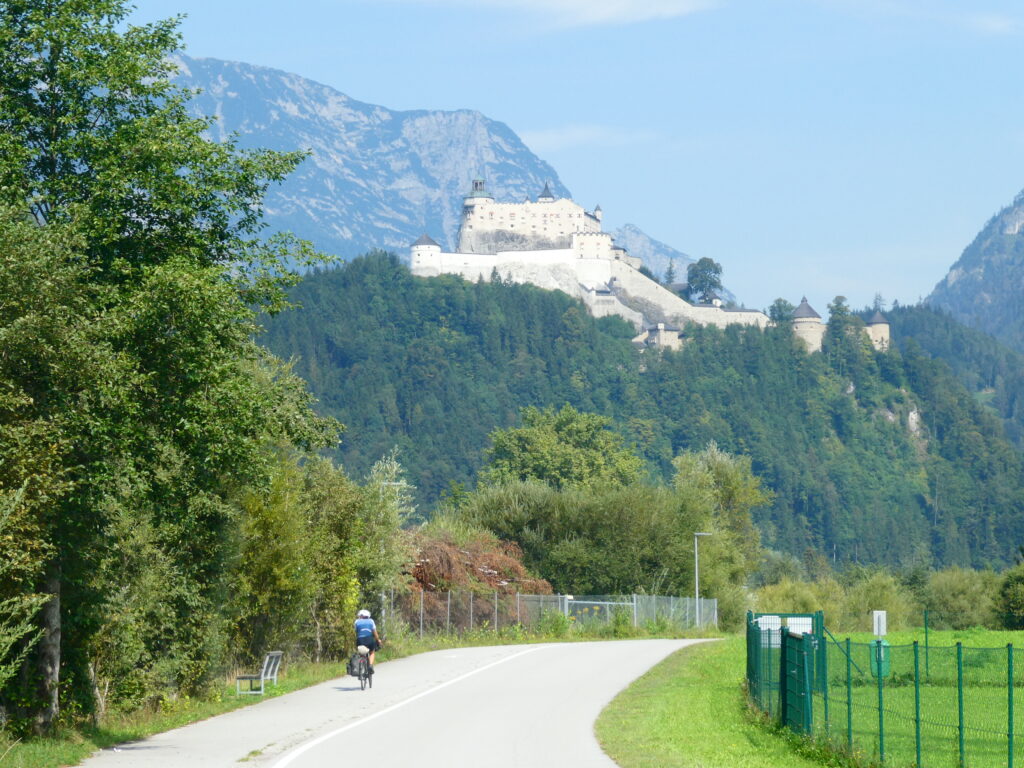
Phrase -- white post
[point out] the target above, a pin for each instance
(471, 610)
(519, 618)
(448, 620)
(634, 611)
(495, 610)
(421, 614)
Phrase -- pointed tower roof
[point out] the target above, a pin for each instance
(878, 319)
(804, 310)
(425, 239)
(546, 193)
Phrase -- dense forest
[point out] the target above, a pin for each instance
(871, 457)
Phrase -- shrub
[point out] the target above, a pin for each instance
(1010, 603)
(959, 598)
(876, 591)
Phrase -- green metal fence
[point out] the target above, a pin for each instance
(882, 701)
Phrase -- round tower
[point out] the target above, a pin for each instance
(878, 331)
(545, 195)
(425, 257)
(807, 326)
(477, 194)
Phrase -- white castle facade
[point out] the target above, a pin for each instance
(558, 245)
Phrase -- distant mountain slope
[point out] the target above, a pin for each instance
(884, 456)
(375, 178)
(985, 287)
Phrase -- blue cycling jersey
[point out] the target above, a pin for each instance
(365, 628)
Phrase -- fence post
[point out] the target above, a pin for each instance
(471, 610)
(849, 698)
(881, 702)
(917, 702)
(495, 610)
(806, 651)
(448, 617)
(821, 668)
(783, 678)
(1009, 705)
(519, 618)
(421, 614)
(960, 697)
(634, 611)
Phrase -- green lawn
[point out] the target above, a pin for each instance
(985, 700)
(690, 711)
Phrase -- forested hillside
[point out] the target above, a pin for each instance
(872, 457)
(990, 370)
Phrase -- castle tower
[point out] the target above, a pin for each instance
(477, 194)
(807, 326)
(425, 257)
(878, 331)
(598, 213)
(546, 196)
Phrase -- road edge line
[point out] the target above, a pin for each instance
(288, 758)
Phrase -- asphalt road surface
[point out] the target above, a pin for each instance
(522, 706)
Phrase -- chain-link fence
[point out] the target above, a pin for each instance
(455, 612)
(954, 706)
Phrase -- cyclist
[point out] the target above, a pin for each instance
(366, 634)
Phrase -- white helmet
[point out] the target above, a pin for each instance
(363, 614)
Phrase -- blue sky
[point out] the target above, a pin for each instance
(817, 147)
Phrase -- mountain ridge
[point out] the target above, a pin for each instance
(984, 286)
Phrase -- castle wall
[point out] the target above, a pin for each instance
(489, 227)
(660, 305)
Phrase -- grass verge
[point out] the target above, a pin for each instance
(690, 711)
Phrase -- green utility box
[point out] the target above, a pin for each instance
(880, 657)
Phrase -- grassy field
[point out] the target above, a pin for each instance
(690, 711)
(985, 700)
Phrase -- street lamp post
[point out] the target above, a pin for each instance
(696, 577)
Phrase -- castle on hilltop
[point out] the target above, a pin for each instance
(556, 244)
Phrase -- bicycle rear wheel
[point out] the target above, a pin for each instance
(364, 673)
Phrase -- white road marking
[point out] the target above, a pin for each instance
(289, 758)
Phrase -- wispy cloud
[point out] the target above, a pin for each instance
(578, 13)
(993, 23)
(937, 12)
(582, 135)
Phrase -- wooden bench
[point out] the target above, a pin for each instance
(271, 664)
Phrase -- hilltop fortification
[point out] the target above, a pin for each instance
(555, 243)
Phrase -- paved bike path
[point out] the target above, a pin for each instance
(532, 705)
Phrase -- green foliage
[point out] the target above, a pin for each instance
(561, 448)
(17, 631)
(957, 598)
(134, 405)
(876, 591)
(1010, 603)
(781, 313)
(871, 457)
(703, 278)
